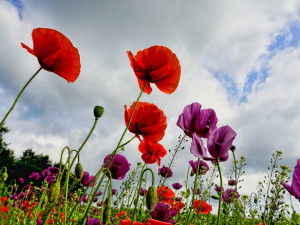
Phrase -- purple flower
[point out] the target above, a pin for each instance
(165, 172)
(232, 182)
(92, 221)
(218, 144)
(50, 171)
(39, 222)
(195, 120)
(177, 186)
(86, 179)
(113, 191)
(143, 192)
(118, 168)
(21, 180)
(294, 188)
(230, 195)
(99, 193)
(35, 176)
(203, 167)
(218, 189)
(198, 191)
(163, 212)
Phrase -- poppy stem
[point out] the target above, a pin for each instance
(193, 196)
(136, 201)
(235, 173)
(16, 100)
(220, 195)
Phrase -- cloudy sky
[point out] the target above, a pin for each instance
(240, 58)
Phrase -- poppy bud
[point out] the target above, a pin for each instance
(214, 196)
(45, 200)
(98, 111)
(4, 176)
(78, 171)
(232, 148)
(107, 211)
(151, 197)
(54, 192)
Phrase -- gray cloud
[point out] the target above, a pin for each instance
(206, 36)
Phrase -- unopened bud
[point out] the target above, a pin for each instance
(54, 192)
(98, 111)
(4, 176)
(78, 171)
(214, 196)
(151, 197)
(232, 148)
(107, 211)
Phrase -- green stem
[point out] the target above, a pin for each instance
(193, 196)
(87, 138)
(122, 145)
(173, 157)
(16, 100)
(220, 195)
(235, 173)
(139, 190)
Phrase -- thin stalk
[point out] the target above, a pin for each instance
(193, 196)
(16, 100)
(138, 192)
(235, 173)
(220, 195)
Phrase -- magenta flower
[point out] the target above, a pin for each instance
(143, 192)
(113, 191)
(118, 168)
(195, 120)
(203, 167)
(232, 182)
(21, 180)
(93, 221)
(86, 179)
(50, 171)
(198, 191)
(294, 188)
(230, 195)
(165, 172)
(35, 176)
(218, 189)
(218, 144)
(163, 212)
(177, 186)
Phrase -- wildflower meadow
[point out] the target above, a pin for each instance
(68, 194)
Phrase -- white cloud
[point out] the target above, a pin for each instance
(223, 36)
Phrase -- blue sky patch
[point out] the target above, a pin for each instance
(19, 5)
(287, 38)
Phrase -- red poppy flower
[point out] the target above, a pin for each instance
(158, 65)
(165, 194)
(157, 222)
(201, 206)
(177, 206)
(55, 53)
(152, 152)
(128, 222)
(147, 120)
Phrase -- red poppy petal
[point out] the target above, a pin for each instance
(27, 48)
(55, 53)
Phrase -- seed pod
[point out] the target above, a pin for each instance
(107, 210)
(98, 111)
(54, 192)
(78, 171)
(4, 176)
(151, 197)
(45, 200)
(214, 196)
